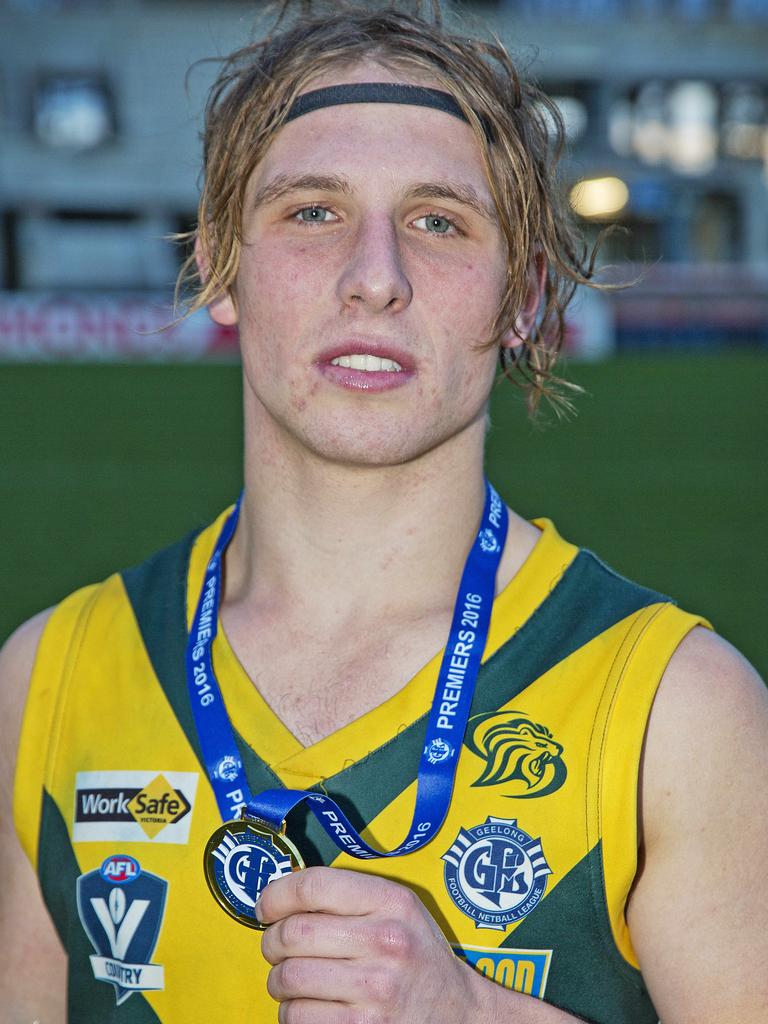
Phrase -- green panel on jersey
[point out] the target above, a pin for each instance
(570, 911)
(157, 591)
(89, 1001)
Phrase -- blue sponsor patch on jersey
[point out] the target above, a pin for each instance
(495, 873)
(121, 909)
(524, 970)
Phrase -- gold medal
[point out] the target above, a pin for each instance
(240, 860)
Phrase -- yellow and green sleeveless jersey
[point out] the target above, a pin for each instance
(528, 876)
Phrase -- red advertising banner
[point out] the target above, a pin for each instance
(93, 328)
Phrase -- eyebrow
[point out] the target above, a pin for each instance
(455, 191)
(284, 184)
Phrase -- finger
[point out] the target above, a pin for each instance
(315, 935)
(333, 936)
(317, 978)
(332, 891)
(315, 1011)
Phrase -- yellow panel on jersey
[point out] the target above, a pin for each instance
(528, 876)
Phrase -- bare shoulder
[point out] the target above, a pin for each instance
(17, 657)
(698, 914)
(704, 658)
(32, 985)
(710, 714)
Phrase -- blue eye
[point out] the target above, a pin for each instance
(314, 214)
(435, 224)
(439, 225)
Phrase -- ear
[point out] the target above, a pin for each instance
(526, 317)
(222, 310)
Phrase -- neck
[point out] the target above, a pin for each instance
(344, 542)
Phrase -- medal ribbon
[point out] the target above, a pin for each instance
(446, 723)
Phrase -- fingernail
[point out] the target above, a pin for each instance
(257, 911)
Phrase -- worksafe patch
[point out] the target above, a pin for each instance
(133, 806)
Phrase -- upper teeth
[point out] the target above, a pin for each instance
(366, 362)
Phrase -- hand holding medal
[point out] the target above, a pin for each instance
(244, 855)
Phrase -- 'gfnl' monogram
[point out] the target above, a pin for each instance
(122, 915)
(245, 863)
(496, 870)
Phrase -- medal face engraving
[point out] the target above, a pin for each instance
(240, 860)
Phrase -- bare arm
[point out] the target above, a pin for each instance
(33, 964)
(698, 915)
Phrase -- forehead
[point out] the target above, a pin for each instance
(381, 141)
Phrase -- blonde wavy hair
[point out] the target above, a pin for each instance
(257, 84)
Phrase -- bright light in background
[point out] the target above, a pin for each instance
(693, 127)
(599, 197)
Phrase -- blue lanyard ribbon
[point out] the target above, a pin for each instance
(445, 726)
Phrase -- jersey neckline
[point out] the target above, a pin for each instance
(254, 719)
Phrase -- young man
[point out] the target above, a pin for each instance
(375, 213)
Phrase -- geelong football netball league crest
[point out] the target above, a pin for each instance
(495, 873)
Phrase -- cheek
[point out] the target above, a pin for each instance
(269, 329)
(469, 312)
(467, 292)
(270, 273)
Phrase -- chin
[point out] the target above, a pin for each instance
(371, 456)
(381, 448)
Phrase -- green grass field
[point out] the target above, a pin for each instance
(663, 473)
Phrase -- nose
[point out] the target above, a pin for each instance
(374, 278)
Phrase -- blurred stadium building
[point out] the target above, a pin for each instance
(665, 102)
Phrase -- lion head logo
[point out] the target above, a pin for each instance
(516, 751)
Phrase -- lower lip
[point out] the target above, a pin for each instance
(365, 380)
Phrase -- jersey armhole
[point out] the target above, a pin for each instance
(45, 696)
(650, 643)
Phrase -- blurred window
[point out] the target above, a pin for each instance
(574, 100)
(687, 125)
(715, 228)
(73, 111)
(692, 137)
(649, 132)
(744, 125)
(639, 241)
(574, 115)
(87, 250)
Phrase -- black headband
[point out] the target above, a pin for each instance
(381, 92)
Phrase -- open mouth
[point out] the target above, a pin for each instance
(367, 363)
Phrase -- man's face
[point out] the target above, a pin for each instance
(371, 271)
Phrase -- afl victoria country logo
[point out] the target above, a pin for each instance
(495, 873)
(121, 908)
